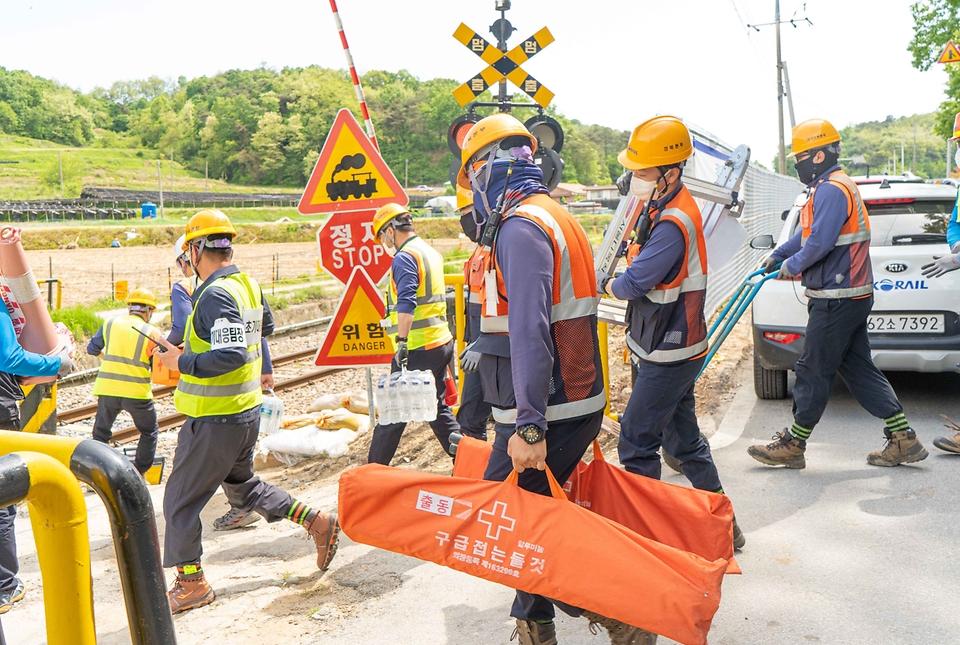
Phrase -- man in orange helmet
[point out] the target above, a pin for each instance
(832, 252)
(220, 394)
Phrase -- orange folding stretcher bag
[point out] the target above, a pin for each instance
(686, 518)
(542, 545)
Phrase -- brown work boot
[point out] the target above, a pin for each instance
(902, 447)
(325, 531)
(785, 450)
(950, 444)
(620, 633)
(190, 594)
(530, 632)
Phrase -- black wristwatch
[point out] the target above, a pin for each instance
(531, 433)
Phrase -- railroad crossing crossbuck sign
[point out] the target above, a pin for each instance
(355, 337)
(350, 174)
(503, 65)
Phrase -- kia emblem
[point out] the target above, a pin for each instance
(896, 267)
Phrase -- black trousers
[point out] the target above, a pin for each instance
(474, 411)
(9, 565)
(837, 343)
(144, 418)
(662, 411)
(386, 438)
(210, 455)
(566, 442)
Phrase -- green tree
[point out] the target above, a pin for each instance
(73, 168)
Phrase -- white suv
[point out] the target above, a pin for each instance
(914, 325)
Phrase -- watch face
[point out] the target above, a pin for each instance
(530, 433)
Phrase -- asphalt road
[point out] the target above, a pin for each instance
(841, 552)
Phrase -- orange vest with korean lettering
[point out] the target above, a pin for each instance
(473, 270)
(577, 380)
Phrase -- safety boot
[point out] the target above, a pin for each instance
(739, 541)
(785, 450)
(619, 633)
(190, 594)
(235, 519)
(902, 447)
(950, 444)
(530, 632)
(325, 531)
(7, 598)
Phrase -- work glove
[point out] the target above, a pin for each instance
(784, 271)
(402, 354)
(955, 248)
(602, 280)
(941, 266)
(623, 183)
(770, 264)
(469, 359)
(66, 365)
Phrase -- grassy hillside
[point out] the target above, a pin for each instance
(29, 170)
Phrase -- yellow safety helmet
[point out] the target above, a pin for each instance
(486, 131)
(812, 133)
(142, 297)
(660, 141)
(464, 198)
(956, 128)
(385, 215)
(208, 222)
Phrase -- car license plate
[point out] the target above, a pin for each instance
(905, 324)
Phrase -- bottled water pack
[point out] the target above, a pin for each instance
(406, 396)
(271, 411)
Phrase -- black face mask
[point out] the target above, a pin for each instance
(806, 170)
(469, 226)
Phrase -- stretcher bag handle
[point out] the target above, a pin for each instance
(556, 490)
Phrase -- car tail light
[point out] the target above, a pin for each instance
(781, 337)
(892, 200)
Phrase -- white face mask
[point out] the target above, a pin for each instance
(642, 189)
(390, 248)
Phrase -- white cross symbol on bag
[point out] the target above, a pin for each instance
(496, 523)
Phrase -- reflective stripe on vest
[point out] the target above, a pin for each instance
(557, 412)
(573, 296)
(429, 329)
(125, 367)
(856, 230)
(238, 390)
(691, 277)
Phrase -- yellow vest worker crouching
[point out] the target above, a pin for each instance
(219, 392)
(418, 321)
(123, 382)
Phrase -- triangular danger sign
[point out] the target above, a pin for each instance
(355, 337)
(350, 174)
(950, 54)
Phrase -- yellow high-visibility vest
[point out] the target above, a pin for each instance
(125, 366)
(235, 391)
(430, 317)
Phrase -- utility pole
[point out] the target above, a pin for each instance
(903, 168)
(786, 82)
(782, 154)
(171, 168)
(913, 168)
(60, 162)
(206, 174)
(160, 187)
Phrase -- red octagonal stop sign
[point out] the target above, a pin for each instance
(346, 241)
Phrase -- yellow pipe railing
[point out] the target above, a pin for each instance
(58, 514)
(603, 333)
(457, 281)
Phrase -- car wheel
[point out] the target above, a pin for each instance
(769, 384)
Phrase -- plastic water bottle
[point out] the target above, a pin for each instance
(429, 396)
(383, 399)
(404, 407)
(271, 411)
(415, 383)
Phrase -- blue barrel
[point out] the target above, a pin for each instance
(148, 210)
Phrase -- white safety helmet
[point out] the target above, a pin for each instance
(178, 248)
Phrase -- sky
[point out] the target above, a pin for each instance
(614, 62)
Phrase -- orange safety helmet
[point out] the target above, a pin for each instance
(956, 128)
(660, 141)
(142, 297)
(208, 222)
(486, 131)
(464, 198)
(385, 215)
(812, 133)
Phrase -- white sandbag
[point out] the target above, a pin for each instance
(294, 421)
(330, 402)
(342, 418)
(358, 402)
(293, 446)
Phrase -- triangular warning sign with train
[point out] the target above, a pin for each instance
(350, 174)
(950, 54)
(355, 337)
